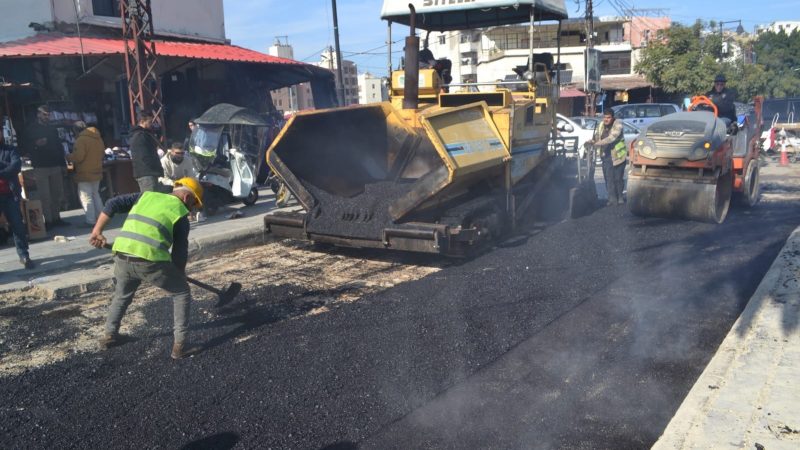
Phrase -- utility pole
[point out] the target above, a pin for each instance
(589, 110)
(339, 76)
(144, 87)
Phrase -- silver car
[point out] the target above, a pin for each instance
(642, 114)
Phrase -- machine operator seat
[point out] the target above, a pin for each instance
(540, 60)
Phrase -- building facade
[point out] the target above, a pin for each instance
(371, 89)
(193, 19)
(785, 26)
(487, 55)
(290, 99)
(349, 75)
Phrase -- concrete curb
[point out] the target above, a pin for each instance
(96, 278)
(749, 396)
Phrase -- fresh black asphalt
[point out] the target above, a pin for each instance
(586, 334)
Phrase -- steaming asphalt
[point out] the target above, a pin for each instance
(586, 334)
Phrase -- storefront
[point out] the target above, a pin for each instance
(83, 78)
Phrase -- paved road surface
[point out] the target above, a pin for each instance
(586, 334)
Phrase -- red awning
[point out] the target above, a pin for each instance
(571, 92)
(54, 44)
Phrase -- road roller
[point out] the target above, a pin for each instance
(441, 167)
(690, 164)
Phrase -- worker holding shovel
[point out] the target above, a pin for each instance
(155, 222)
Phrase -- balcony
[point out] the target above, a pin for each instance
(467, 47)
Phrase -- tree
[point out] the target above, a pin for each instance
(779, 56)
(689, 57)
(684, 62)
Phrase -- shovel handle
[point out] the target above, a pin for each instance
(203, 285)
(188, 278)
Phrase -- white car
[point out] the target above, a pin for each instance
(573, 133)
(590, 123)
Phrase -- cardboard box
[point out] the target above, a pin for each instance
(33, 216)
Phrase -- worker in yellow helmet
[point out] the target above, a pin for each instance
(155, 224)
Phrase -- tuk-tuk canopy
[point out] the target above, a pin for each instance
(227, 114)
(444, 15)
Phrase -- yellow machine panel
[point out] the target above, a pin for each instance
(466, 138)
(428, 83)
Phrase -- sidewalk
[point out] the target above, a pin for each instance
(749, 394)
(66, 268)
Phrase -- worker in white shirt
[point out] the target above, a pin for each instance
(177, 164)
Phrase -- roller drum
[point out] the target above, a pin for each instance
(704, 200)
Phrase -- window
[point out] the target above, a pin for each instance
(666, 109)
(628, 112)
(615, 63)
(442, 39)
(107, 8)
(650, 111)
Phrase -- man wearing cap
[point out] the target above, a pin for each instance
(43, 146)
(723, 98)
(609, 140)
(155, 222)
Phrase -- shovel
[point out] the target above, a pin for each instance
(223, 297)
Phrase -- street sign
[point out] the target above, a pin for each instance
(592, 75)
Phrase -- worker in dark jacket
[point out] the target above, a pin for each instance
(723, 98)
(144, 153)
(155, 222)
(10, 194)
(43, 146)
(609, 139)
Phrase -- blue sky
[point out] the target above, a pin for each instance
(309, 24)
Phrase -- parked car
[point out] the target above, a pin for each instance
(642, 114)
(590, 123)
(569, 129)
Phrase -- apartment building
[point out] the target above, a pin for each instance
(290, 99)
(349, 75)
(486, 55)
(371, 89)
(192, 19)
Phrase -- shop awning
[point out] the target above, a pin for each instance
(55, 44)
(275, 71)
(623, 83)
(571, 92)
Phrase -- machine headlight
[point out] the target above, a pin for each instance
(645, 148)
(702, 150)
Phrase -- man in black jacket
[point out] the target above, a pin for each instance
(723, 98)
(43, 146)
(144, 154)
(10, 191)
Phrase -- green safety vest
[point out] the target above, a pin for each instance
(147, 232)
(619, 151)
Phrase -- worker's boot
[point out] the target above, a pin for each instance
(109, 340)
(183, 349)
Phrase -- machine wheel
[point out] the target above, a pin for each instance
(751, 185)
(252, 197)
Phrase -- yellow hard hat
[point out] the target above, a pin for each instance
(193, 185)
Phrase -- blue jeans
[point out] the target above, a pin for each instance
(9, 206)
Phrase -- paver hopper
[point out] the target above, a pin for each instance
(430, 170)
